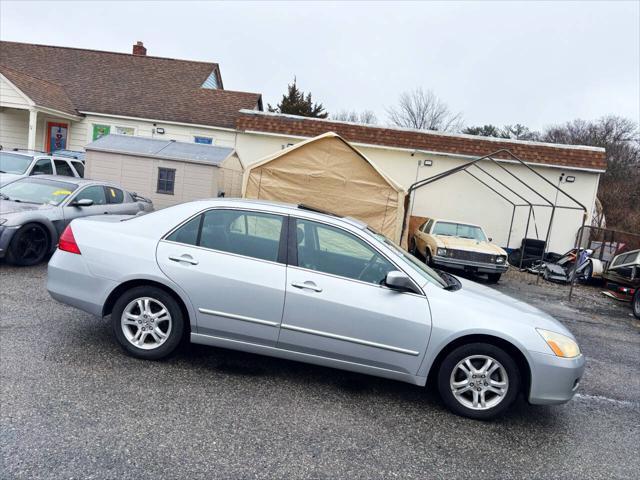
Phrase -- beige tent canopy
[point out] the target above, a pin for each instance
(328, 173)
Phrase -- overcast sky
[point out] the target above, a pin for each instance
(535, 63)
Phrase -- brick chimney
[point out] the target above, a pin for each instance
(139, 49)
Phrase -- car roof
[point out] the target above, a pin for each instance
(24, 153)
(285, 208)
(75, 180)
(455, 221)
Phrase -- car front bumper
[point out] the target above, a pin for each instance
(554, 379)
(469, 265)
(6, 234)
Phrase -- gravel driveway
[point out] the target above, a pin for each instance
(72, 405)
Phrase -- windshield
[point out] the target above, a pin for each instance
(37, 190)
(423, 269)
(459, 230)
(13, 163)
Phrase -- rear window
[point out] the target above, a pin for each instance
(14, 163)
(79, 168)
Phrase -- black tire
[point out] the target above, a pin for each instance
(494, 277)
(412, 246)
(175, 335)
(635, 303)
(497, 354)
(29, 246)
(427, 258)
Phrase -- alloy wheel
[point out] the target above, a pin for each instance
(479, 382)
(146, 323)
(32, 244)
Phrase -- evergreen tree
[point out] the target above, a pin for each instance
(295, 102)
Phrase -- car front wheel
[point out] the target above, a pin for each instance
(494, 277)
(29, 246)
(635, 303)
(147, 322)
(478, 381)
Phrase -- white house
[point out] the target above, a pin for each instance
(55, 98)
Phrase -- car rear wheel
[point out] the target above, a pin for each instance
(147, 322)
(478, 380)
(29, 245)
(635, 303)
(494, 277)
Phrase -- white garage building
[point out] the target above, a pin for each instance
(407, 156)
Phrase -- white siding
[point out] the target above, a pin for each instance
(14, 128)
(11, 96)
(462, 198)
(144, 128)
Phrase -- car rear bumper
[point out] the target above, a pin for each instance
(554, 379)
(69, 281)
(469, 265)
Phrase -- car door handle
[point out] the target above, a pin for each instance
(185, 258)
(308, 285)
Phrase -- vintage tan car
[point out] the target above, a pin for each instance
(461, 246)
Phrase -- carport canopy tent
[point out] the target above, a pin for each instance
(326, 172)
(516, 195)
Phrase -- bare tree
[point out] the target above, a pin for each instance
(619, 187)
(423, 110)
(366, 117)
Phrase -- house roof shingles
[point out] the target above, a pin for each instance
(123, 84)
(532, 152)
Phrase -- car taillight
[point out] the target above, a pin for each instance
(67, 241)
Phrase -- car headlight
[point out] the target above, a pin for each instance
(442, 252)
(561, 345)
(500, 259)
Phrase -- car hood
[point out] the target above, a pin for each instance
(8, 178)
(457, 243)
(493, 303)
(8, 207)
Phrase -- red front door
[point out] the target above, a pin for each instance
(56, 136)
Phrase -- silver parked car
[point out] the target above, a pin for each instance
(294, 283)
(17, 164)
(35, 210)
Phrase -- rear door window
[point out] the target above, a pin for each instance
(251, 234)
(114, 195)
(42, 167)
(63, 168)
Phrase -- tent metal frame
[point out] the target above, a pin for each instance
(548, 203)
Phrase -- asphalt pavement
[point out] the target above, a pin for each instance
(74, 406)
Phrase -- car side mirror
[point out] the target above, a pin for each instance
(490, 239)
(83, 202)
(399, 281)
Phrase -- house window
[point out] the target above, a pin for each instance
(203, 140)
(211, 82)
(166, 180)
(100, 131)
(125, 130)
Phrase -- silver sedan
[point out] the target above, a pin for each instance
(295, 283)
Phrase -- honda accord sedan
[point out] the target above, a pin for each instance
(295, 283)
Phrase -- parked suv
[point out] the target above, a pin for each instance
(16, 164)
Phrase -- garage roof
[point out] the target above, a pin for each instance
(161, 149)
(581, 157)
